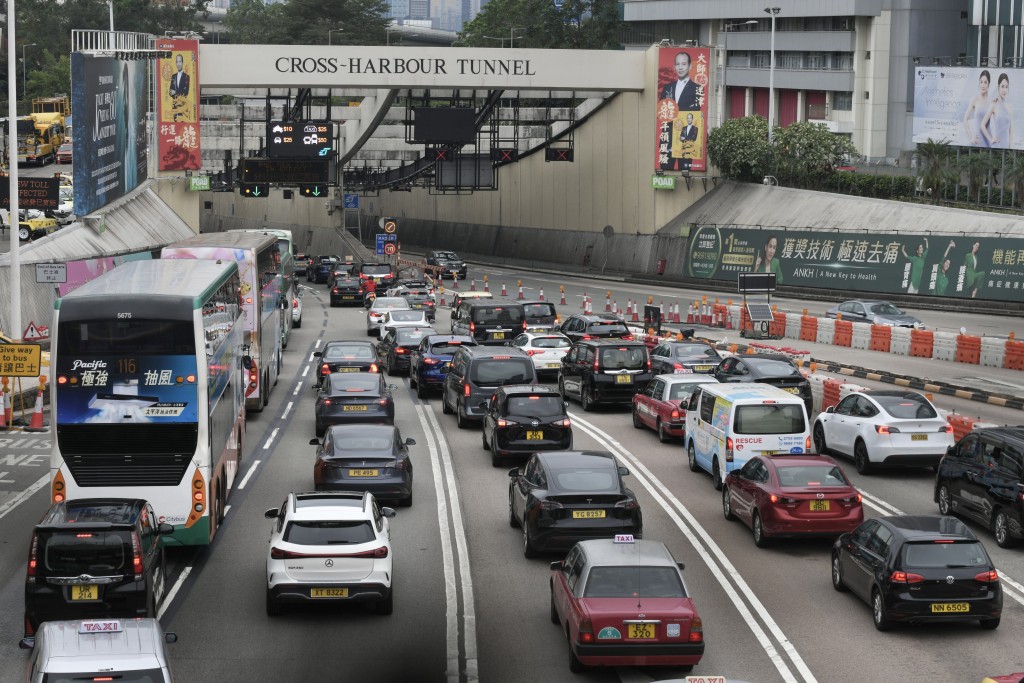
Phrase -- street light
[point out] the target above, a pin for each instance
(771, 73)
(388, 30)
(24, 67)
(333, 31)
(725, 63)
(500, 40)
(512, 34)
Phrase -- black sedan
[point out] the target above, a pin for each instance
(447, 263)
(523, 419)
(916, 568)
(683, 357)
(346, 398)
(767, 368)
(561, 498)
(397, 344)
(347, 290)
(370, 458)
(346, 356)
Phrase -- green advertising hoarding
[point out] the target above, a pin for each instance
(935, 265)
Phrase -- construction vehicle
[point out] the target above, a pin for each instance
(40, 135)
(58, 104)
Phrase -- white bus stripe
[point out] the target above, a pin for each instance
(245, 479)
(24, 495)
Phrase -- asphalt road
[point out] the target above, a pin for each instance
(470, 606)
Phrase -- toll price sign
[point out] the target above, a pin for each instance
(291, 171)
(299, 139)
(20, 360)
(33, 193)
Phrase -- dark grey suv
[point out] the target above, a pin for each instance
(475, 373)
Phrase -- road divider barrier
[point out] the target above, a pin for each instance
(808, 328)
(945, 346)
(993, 352)
(922, 343)
(900, 341)
(879, 336)
(843, 333)
(968, 349)
(826, 330)
(962, 425)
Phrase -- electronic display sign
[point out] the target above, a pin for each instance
(287, 171)
(299, 139)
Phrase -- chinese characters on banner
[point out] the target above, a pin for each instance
(682, 109)
(178, 98)
(955, 266)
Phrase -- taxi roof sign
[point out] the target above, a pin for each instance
(624, 538)
(100, 626)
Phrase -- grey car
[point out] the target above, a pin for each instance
(874, 311)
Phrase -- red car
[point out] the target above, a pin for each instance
(792, 495)
(65, 153)
(624, 602)
(662, 405)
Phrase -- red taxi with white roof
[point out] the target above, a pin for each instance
(662, 404)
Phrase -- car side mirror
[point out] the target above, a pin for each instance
(557, 565)
(410, 441)
(314, 442)
(27, 643)
(318, 354)
(482, 405)
(392, 387)
(387, 512)
(164, 529)
(170, 637)
(565, 404)
(514, 472)
(623, 471)
(681, 566)
(830, 409)
(272, 513)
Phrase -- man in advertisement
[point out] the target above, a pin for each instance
(178, 129)
(684, 91)
(682, 109)
(179, 81)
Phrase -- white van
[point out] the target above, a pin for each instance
(727, 424)
(100, 649)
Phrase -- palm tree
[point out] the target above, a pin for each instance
(934, 161)
(1014, 175)
(977, 167)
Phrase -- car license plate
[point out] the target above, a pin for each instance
(348, 297)
(640, 631)
(768, 452)
(918, 437)
(85, 592)
(792, 390)
(819, 506)
(362, 473)
(353, 409)
(588, 514)
(703, 368)
(554, 365)
(534, 436)
(624, 379)
(951, 607)
(497, 335)
(328, 592)
(346, 369)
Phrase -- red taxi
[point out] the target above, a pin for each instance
(662, 404)
(792, 495)
(624, 602)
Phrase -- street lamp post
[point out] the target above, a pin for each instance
(512, 35)
(771, 73)
(24, 68)
(331, 32)
(725, 64)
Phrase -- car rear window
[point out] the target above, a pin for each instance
(608, 329)
(682, 390)
(133, 676)
(412, 335)
(343, 383)
(364, 443)
(375, 270)
(539, 310)
(406, 316)
(550, 343)
(776, 368)
(535, 406)
(497, 315)
(360, 352)
(812, 475)
(97, 553)
(634, 582)
(623, 358)
(586, 481)
(446, 348)
(329, 532)
(695, 350)
(496, 372)
(908, 407)
(933, 555)
(779, 418)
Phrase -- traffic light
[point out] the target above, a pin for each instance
(257, 190)
(558, 154)
(313, 190)
(504, 154)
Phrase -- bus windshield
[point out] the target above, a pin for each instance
(135, 336)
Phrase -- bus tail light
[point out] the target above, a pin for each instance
(728, 449)
(58, 492)
(198, 501)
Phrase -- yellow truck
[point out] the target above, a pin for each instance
(40, 135)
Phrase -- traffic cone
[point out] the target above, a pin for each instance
(3, 412)
(689, 314)
(520, 294)
(36, 424)
(562, 302)
(472, 285)
(615, 307)
(455, 281)
(504, 292)
(584, 303)
(442, 298)
(7, 407)
(608, 302)
(636, 314)
(542, 295)
(487, 285)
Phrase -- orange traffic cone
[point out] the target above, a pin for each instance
(542, 295)
(520, 294)
(472, 285)
(562, 302)
(504, 292)
(36, 424)
(455, 282)
(442, 298)
(487, 285)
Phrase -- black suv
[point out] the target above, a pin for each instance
(475, 373)
(580, 327)
(95, 558)
(383, 273)
(447, 263)
(524, 419)
(768, 368)
(600, 371)
(981, 477)
(489, 321)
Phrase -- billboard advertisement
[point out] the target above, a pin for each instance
(971, 107)
(933, 265)
(682, 109)
(108, 96)
(177, 128)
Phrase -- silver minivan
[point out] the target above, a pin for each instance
(126, 650)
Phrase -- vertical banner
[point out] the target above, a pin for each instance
(971, 107)
(109, 97)
(682, 109)
(178, 106)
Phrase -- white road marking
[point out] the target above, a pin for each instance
(879, 504)
(287, 409)
(270, 439)
(298, 388)
(24, 495)
(305, 370)
(227, 509)
(710, 552)
(169, 598)
(317, 344)
(245, 479)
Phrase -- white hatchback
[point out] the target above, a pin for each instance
(545, 348)
(380, 306)
(330, 547)
(884, 427)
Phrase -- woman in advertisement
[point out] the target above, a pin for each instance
(976, 112)
(941, 284)
(997, 128)
(766, 261)
(973, 276)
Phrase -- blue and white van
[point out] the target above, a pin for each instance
(727, 424)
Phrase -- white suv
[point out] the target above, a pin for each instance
(330, 547)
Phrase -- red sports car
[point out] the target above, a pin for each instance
(624, 602)
(792, 495)
(662, 404)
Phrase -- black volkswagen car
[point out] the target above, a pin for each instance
(347, 355)
(371, 458)
(523, 419)
(347, 290)
(353, 397)
(917, 568)
(767, 368)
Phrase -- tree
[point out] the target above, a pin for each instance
(309, 22)
(740, 148)
(254, 22)
(577, 24)
(1013, 174)
(977, 168)
(935, 161)
(808, 153)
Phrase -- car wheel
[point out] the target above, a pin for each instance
(444, 404)
(878, 614)
(587, 399)
(819, 439)
(273, 608)
(716, 474)
(760, 539)
(320, 429)
(837, 574)
(945, 507)
(529, 550)
(391, 367)
(513, 521)
(24, 234)
(1001, 530)
(860, 458)
(691, 458)
(575, 665)
(561, 389)
(483, 440)
(727, 504)
(989, 624)
(421, 391)
(636, 419)
(554, 612)
(462, 422)
(387, 605)
(663, 436)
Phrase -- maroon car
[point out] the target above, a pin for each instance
(792, 495)
(662, 404)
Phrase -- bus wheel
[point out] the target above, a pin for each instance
(265, 395)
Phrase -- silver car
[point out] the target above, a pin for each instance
(876, 312)
(380, 306)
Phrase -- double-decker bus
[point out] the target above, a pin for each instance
(291, 285)
(259, 268)
(147, 391)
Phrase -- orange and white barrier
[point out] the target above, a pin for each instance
(944, 347)
(826, 330)
(808, 328)
(899, 340)
(993, 352)
(922, 343)
(968, 349)
(843, 335)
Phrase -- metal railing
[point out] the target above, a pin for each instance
(92, 40)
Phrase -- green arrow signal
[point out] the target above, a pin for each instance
(316, 191)
(256, 192)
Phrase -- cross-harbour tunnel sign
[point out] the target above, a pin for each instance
(414, 67)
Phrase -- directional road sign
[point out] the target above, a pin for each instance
(351, 201)
(384, 240)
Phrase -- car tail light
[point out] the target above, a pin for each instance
(472, 328)
(627, 337)
(137, 556)
(400, 351)
(680, 368)
(328, 402)
(586, 337)
(399, 466)
(586, 631)
(850, 500)
(675, 415)
(376, 553)
(33, 559)
(991, 576)
(886, 429)
(431, 361)
(533, 352)
(946, 428)
(374, 368)
(728, 448)
(696, 630)
(295, 303)
(524, 326)
(563, 423)
(465, 389)
(627, 504)
(325, 369)
(905, 577)
(383, 401)
(650, 365)
(550, 505)
(597, 365)
(807, 444)
(506, 423)
(782, 500)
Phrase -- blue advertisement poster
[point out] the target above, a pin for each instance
(120, 390)
(108, 97)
